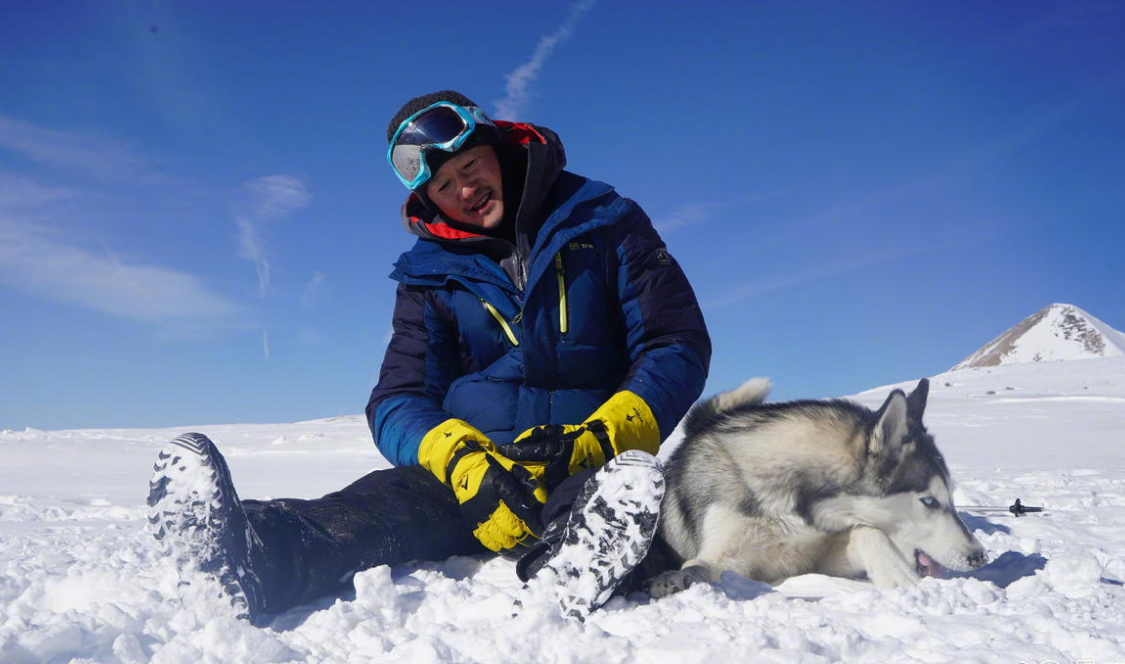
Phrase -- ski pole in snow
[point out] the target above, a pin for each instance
(1017, 508)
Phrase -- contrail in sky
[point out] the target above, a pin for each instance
(518, 82)
(262, 201)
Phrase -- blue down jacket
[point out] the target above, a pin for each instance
(586, 302)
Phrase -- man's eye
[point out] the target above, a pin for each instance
(469, 164)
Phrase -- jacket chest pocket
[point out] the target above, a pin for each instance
(560, 278)
(486, 326)
(509, 333)
(581, 293)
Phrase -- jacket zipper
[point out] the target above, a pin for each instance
(564, 315)
(503, 323)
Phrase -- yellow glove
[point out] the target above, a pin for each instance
(499, 498)
(556, 451)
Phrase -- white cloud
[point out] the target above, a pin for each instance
(97, 157)
(521, 78)
(311, 289)
(310, 336)
(17, 192)
(262, 201)
(37, 261)
(273, 197)
(250, 248)
(686, 215)
(694, 214)
(810, 273)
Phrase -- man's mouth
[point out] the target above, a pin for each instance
(927, 566)
(484, 199)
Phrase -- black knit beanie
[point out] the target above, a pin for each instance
(483, 135)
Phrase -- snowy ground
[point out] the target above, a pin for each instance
(80, 579)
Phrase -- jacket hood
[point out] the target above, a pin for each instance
(545, 159)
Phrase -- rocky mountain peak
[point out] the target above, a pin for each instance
(1055, 332)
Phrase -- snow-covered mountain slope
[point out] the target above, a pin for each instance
(1055, 332)
(1052, 415)
(81, 579)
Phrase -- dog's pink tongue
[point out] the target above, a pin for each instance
(933, 568)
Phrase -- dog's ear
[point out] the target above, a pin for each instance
(916, 402)
(890, 425)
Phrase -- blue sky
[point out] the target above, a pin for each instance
(197, 221)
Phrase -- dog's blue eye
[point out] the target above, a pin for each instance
(930, 502)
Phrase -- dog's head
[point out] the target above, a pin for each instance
(912, 479)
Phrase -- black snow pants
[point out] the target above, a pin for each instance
(313, 548)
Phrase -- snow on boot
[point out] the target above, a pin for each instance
(199, 520)
(608, 531)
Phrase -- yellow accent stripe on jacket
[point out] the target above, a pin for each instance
(503, 323)
(564, 315)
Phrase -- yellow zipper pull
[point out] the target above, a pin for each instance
(503, 323)
(564, 316)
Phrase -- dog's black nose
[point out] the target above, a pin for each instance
(977, 559)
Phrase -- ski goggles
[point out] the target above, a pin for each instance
(442, 126)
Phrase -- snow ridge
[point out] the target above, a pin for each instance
(1055, 332)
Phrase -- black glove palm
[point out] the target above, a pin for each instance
(548, 452)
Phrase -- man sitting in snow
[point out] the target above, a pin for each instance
(545, 343)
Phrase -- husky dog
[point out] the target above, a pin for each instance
(773, 490)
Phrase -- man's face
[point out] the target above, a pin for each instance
(468, 188)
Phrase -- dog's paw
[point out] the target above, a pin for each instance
(884, 565)
(668, 583)
(674, 581)
(893, 572)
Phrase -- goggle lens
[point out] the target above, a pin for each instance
(439, 125)
(442, 127)
(407, 162)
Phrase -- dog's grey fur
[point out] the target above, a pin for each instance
(773, 490)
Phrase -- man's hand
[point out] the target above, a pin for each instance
(555, 451)
(500, 499)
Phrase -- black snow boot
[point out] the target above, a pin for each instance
(607, 532)
(200, 523)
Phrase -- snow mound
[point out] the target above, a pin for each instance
(1055, 332)
(82, 579)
